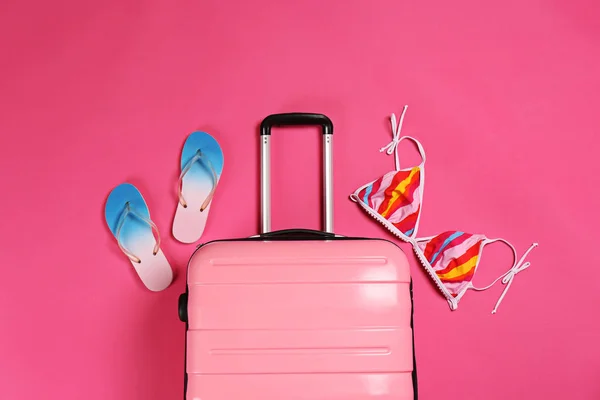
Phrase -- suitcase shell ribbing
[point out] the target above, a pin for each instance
(302, 320)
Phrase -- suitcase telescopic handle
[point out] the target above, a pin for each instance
(296, 119)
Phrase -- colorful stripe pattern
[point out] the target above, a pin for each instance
(396, 196)
(454, 256)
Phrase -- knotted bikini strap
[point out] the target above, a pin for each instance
(392, 147)
(508, 277)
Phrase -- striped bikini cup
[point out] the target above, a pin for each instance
(396, 197)
(452, 257)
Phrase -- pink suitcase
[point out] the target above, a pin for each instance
(298, 314)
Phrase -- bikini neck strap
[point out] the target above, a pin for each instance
(392, 147)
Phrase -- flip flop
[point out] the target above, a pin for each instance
(128, 219)
(201, 168)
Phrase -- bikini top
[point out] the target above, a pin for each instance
(451, 258)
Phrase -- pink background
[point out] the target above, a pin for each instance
(504, 97)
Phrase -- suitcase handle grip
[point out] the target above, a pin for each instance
(298, 234)
(287, 119)
(295, 119)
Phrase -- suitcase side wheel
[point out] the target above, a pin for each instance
(183, 299)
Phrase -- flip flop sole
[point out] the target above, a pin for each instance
(189, 222)
(136, 236)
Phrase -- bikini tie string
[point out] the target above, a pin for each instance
(510, 275)
(392, 147)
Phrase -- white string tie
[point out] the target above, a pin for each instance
(510, 275)
(392, 147)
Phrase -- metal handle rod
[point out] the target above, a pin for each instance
(265, 184)
(328, 182)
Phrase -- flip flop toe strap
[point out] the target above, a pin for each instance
(199, 156)
(130, 211)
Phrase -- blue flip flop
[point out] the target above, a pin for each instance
(128, 218)
(201, 168)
